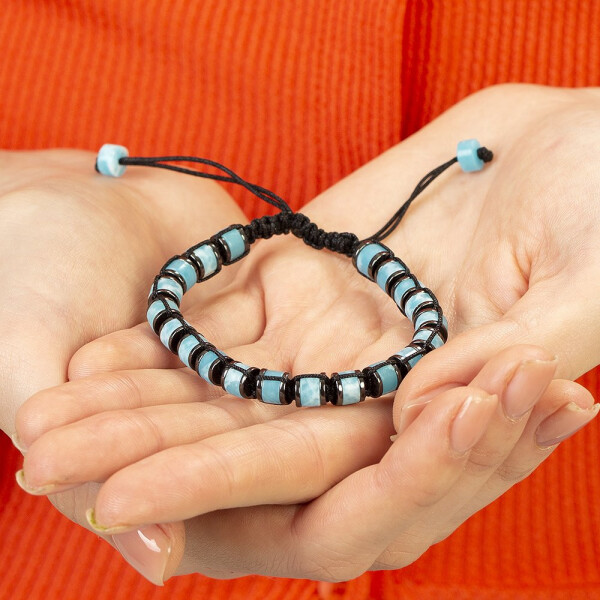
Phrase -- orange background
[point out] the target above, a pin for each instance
(294, 95)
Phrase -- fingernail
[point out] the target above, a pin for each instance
(147, 550)
(470, 423)
(18, 444)
(563, 424)
(90, 515)
(410, 412)
(43, 490)
(526, 386)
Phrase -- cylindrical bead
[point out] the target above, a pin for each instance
(107, 161)
(415, 301)
(168, 286)
(207, 258)
(385, 378)
(189, 344)
(387, 271)
(349, 387)
(185, 270)
(273, 391)
(157, 309)
(367, 256)
(310, 391)
(466, 152)
(232, 243)
(236, 379)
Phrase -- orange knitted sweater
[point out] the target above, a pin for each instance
(294, 95)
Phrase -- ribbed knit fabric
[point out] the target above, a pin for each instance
(294, 95)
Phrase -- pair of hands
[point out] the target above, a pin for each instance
(242, 487)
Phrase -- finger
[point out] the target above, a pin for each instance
(232, 318)
(565, 408)
(334, 537)
(122, 390)
(518, 374)
(284, 460)
(462, 357)
(101, 424)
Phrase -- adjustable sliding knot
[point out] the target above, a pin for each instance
(302, 227)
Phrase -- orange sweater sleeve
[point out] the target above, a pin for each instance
(294, 95)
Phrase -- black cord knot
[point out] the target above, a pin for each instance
(484, 154)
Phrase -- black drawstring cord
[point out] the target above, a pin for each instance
(287, 220)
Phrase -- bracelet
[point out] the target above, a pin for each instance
(371, 258)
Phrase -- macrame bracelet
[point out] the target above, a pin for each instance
(371, 258)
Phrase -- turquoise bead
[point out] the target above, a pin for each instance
(169, 285)
(107, 161)
(430, 316)
(186, 346)
(157, 307)
(423, 334)
(205, 363)
(415, 301)
(308, 392)
(365, 256)
(410, 356)
(271, 389)
(235, 242)
(206, 255)
(386, 270)
(233, 379)
(352, 391)
(168, 329)
(466, 152)
(185, 269)
(403, 286)
(388, 377)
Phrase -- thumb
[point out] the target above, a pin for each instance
(155, 551)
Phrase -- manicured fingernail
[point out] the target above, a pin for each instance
(410, 412)
(470, 423)
(526, 386)
(147, 550)
(18, 444)
(563, 424)
(90, 515)
(43, 490)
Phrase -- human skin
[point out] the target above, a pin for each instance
(511, 246)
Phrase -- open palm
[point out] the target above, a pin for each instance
(510, 253)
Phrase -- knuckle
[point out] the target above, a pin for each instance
(482, 461)
(511, 474)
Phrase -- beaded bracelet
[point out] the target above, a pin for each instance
(371, 259)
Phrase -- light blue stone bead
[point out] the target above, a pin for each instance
(387, 270)
(205, 363)
(156, 308)
(206, 255)
(410, 356)
(168, 284)
(235, 242)
(403, 286)
(424, 334)
(233, 378)
(430, 316)
(168, 328)
(107, 161)
(309, 393)
(185, 269)
(365, 256)
(466, 152)
(270, 388)
(415, 301)
(350, 389)
(389, 378)
(186, 346)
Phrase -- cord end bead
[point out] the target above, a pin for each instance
(107, 161)
(472, 156)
